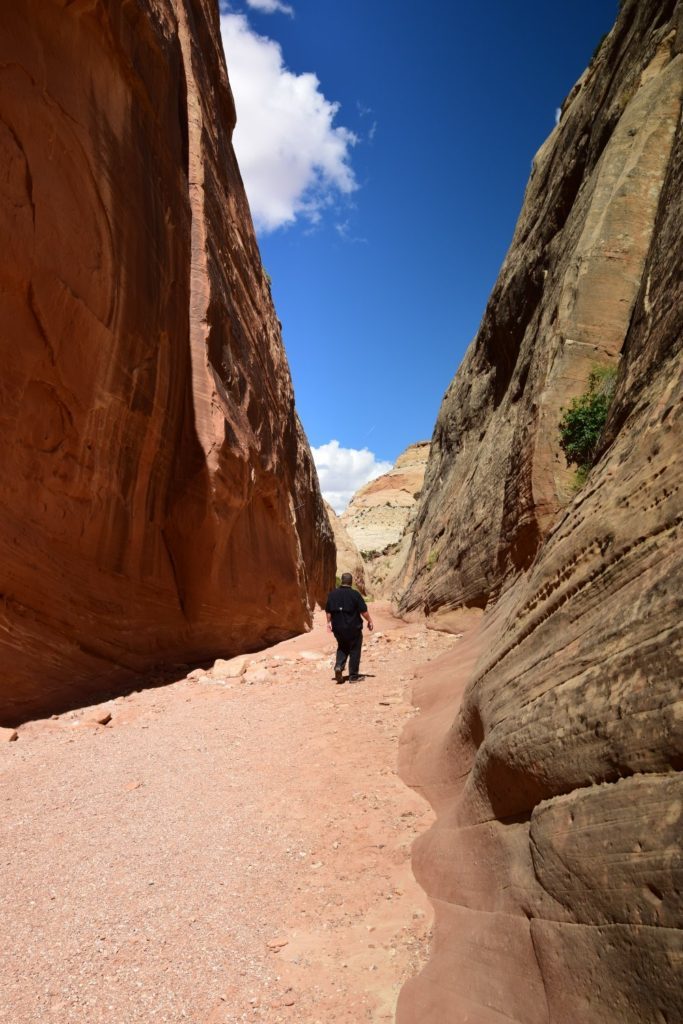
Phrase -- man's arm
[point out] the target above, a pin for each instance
(329, 622)
(366, 616)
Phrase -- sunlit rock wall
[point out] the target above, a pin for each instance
(550, 743)
(380, 518)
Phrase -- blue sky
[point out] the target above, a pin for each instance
(385, 147)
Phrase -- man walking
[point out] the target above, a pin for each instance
(344, 608)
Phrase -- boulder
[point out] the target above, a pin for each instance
(231, 669)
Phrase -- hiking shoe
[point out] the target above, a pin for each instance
(339, 675)
(354, 679)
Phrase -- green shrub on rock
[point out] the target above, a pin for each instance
(582, 423)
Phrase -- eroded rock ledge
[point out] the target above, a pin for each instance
(158, 499)
(552, 748)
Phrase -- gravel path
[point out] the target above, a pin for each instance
(220, 851)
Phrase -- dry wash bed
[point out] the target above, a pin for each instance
(219, 851)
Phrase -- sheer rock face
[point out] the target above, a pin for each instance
(157, 496)
(496, 478)
(380, 517)
(551, 745)
(349, 558)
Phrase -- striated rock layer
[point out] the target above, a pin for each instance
(158, 500)
(552, 746)
(380, 517)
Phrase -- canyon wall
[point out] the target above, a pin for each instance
(550, 743)
(380, 518)
(158, 501)
(349, 558)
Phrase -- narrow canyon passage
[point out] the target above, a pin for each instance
(221, 850)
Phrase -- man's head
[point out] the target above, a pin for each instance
(346, 580)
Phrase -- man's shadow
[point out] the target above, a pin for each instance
(361, 677)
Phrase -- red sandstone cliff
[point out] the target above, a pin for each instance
(550, 744)
(158, 500)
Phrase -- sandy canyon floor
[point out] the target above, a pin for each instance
(220, 851)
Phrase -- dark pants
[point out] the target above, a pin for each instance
(349, 646)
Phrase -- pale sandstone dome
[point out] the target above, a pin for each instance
(379, 512)
(158, 500)
(552, 750)
(349, 558)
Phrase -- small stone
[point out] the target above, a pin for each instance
(231, 669)
(101, 717)
(259, 675)
(8, 735)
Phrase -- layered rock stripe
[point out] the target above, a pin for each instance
(551, 748)
(158, 500)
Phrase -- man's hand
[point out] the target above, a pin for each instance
(371, 625)
(329, 627)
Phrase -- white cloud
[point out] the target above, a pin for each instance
(271, 6)
(342, 471)
(343, 229)
(364, 111)
(293, 160)
(558, 115)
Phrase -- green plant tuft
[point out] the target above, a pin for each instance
(580, 477)
(582, 424)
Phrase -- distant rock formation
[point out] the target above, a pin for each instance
(349, 558)
(554, 757)
(380, 515)
(158, 500)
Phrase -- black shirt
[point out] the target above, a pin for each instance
(345, 605)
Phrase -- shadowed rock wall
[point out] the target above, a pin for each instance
(158, 500)
(551, 746)
(349, 558)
